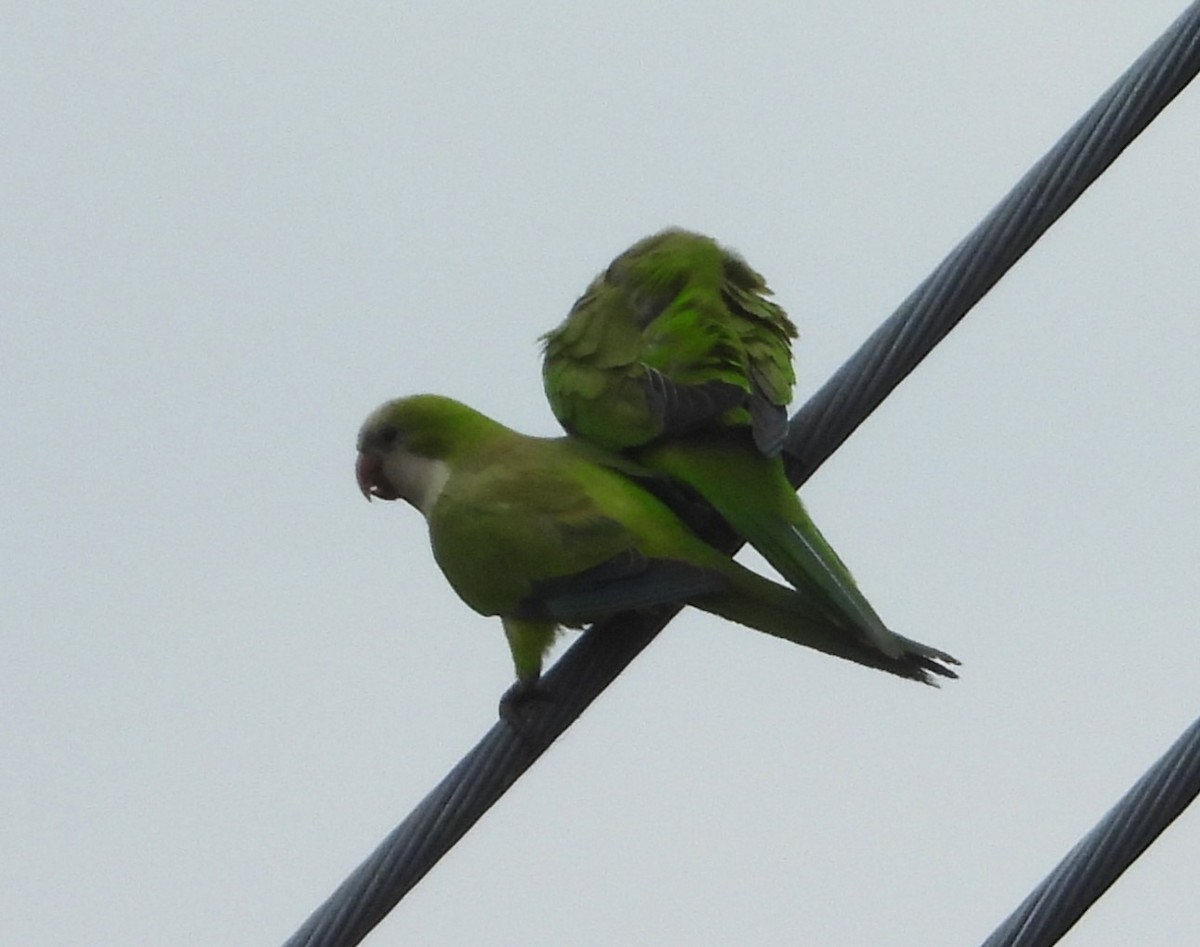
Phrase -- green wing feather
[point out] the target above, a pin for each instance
(503, 524)
(675, 335)
(752, 493)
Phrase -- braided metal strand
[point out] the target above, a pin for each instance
(1100, 857)
(973, 267)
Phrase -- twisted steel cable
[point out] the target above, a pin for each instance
(1087, 871)
(973, 267)
(819, 428)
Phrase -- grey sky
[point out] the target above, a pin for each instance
(228, 232)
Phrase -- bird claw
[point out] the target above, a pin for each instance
(518, 702)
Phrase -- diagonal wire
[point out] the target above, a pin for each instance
(1100, 857)
(973, 267)
(832, 414)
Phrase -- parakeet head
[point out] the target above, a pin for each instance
(380, 437)
(407, 446)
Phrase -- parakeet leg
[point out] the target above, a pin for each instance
(529, 641)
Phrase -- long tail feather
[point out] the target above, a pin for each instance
(761, 604)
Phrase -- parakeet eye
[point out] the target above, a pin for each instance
(388, 435)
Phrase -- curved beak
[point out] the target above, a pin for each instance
(368, 470)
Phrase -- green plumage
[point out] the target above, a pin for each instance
(675, 356)
(556, 532)
(676, 334)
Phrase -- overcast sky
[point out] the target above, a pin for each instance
(228, 231)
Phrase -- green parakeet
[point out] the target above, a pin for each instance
(677, 335)
(675, 356)
(551, 532)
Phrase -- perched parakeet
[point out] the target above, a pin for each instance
(551, 532)
(675, 356)
(677, 335)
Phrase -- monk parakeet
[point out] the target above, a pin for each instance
(551, 532)
(675, 356)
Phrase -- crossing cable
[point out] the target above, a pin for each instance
(821, 425)
(1167, 788)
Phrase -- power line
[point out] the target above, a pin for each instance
(1100, 857)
